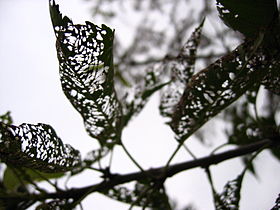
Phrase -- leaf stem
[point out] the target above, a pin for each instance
(173, 155)
(189, 151)
(131, 158)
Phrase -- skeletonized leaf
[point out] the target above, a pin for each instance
(272, 80)
(230, 197)
(150, 84)
(181, 71)
(143, 195)
(55, 204)
(86, 71)
(247, 16)
(91, 158)
(37, 147)
(217, 86)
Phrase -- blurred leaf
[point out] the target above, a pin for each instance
(247, 16)
(230, 197)
(55, 204)
(277, 204)
(150, 84)
(272, 80)
(91, 158)
(37, 147)
(6, 118)
(217, 86)
(245, 129)
(144, 195)
(11, 204)
(12, 181)
(181, 71)
(85, 54)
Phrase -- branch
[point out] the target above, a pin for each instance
(155, 173)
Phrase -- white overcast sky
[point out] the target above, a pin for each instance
(30, 89)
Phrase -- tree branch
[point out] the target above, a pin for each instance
(155, 173)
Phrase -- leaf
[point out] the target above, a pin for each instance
(217, 86)
(245, 129)
(230, 197)
(150, 84)
(272, 80)
(6, 118)
(85, 54)
(12, 181)
(181, 71)
(10, 203)
(36, 147)
(144, 195)
(247, 16)
(55, 204)
(277, 204)
(95, 156)
(91, 158)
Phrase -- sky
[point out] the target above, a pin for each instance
(30, 89)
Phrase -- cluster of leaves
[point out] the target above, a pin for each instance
(188, 100)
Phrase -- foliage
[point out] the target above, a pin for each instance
(86, 70)
(251, 21)
(143, 194)
(36, 147)
(108, 96)
(230, 197)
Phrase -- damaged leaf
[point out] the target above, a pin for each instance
(217, 86)
(181, 71)
(85, 54)
(36, 147)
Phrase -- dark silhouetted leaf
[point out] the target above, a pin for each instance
(145, 195)
(217, 86)
(246, 129)
(85, 54)
(9, 204)
(248, 16)
(91, 158)
(95, 155)
(272, 80)
(134, 103)
(37, 147)
(181, 71)
(55, 204)
(230, 197)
